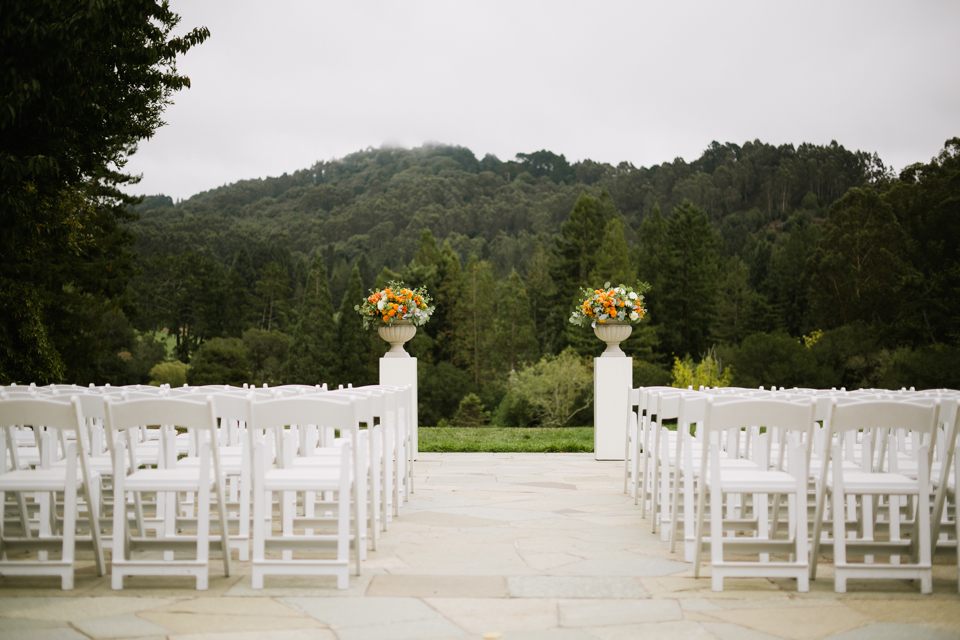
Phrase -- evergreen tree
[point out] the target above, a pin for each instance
(243, 267)
(858, 265)
(426, 270)
(579, 243)
(358, 362)
(515, 339)
(313, 349)
(272, 291)
(613, 259)
(476, 310)
(688, 299)
(367, 274)
(446, 299)
(577, 247)
(734, 292)
(541, 292)
(651, 257)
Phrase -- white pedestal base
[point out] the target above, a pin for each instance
(399, 372)
(612, 379)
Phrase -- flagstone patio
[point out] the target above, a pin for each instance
(512, 546)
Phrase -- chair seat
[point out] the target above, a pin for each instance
(748, 480)
(734, 464)
(37, 479)
(877, 483)
(313, 478)
(165, 480)
(231, 465)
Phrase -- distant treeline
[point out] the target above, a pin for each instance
(812, 265)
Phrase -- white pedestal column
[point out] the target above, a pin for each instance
(399, 372)
(612, 378)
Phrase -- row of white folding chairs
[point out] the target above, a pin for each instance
(396, 440)
(672, 471)
(119, 513)
(133, 464)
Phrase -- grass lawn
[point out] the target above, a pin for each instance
(495, 439)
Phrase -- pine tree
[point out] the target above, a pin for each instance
(358, 362)
(272, 290)
(243, 266)
(651, 252)
(426, 270)
(577, 247)
(541, 292)
(313, 349)
(613, 259)
(476, 310)
(367, 274)
(688, 300)
(446, 299)
(515, 340)
(580, 241)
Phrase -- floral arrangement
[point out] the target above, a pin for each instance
(395, 302)
(610, 304)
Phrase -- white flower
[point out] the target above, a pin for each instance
(381, 304)
(632, 296)
(620, 290)
(634, 316)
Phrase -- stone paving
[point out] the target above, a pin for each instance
(511, 546)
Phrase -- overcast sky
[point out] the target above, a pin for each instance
(280, 85)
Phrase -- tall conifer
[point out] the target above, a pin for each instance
(358, 362)
(613, 258)
(515, 340)
(577, 246)
(476, 310)
(447, 315)
(687, 302)
(313, 349)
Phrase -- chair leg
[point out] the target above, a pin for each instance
(120, 524)
(259, 541)
(839, 528)
(716, 535)
(203, 518)
(69, 517)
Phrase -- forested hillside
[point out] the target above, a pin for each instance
(809, 265)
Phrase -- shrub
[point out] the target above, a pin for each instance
(471, 412)
(557, 388)
(171, 373)
(647, 374)
(774, 359)
(706, 373)
(219, 361)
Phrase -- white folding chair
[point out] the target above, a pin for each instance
(270, 417)
(124, 417)
(795, 420)
(948, 479)
(48, 480)
(876, 477)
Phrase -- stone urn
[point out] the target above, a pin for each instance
(613, 333)
(400, 332)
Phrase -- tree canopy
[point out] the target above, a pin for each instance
(81, 84)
